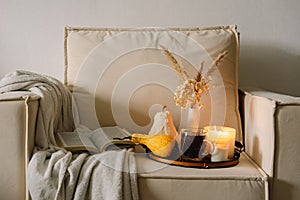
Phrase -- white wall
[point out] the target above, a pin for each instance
(31, 32)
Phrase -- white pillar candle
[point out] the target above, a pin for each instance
(221, 135)
(220, 153)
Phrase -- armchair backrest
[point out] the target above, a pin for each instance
(122, 77)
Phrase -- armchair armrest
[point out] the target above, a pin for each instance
(18, 111)
(271, 136)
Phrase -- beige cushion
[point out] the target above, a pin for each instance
(245, 181)
(121, 76)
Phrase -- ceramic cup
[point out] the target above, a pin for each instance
(193, 145)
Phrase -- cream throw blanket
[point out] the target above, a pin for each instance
(54, 173)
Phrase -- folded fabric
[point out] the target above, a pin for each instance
(61, 175)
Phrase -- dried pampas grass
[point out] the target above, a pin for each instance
(190, 90)
(180, 70)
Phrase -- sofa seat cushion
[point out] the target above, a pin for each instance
(246, 181)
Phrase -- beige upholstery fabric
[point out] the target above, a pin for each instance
(158, 181)
(121, 76)
(17, 126)
(272, 124)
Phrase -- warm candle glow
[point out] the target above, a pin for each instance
(222, 136)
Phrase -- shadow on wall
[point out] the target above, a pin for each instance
(270, 68)
(279, 185)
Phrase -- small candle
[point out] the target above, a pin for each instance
(222, 136)
(220, 153)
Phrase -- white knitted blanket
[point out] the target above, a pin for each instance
(54, 173)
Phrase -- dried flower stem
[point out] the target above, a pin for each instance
(199, 74)
(180, 71)
(216, 62)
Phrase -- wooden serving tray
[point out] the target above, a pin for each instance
(205, 164)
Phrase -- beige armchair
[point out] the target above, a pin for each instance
(268, 169)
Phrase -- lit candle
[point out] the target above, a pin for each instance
(222, 136)
(220, 153)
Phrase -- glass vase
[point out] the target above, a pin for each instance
(190, 117)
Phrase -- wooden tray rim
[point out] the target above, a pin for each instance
(204, 165)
